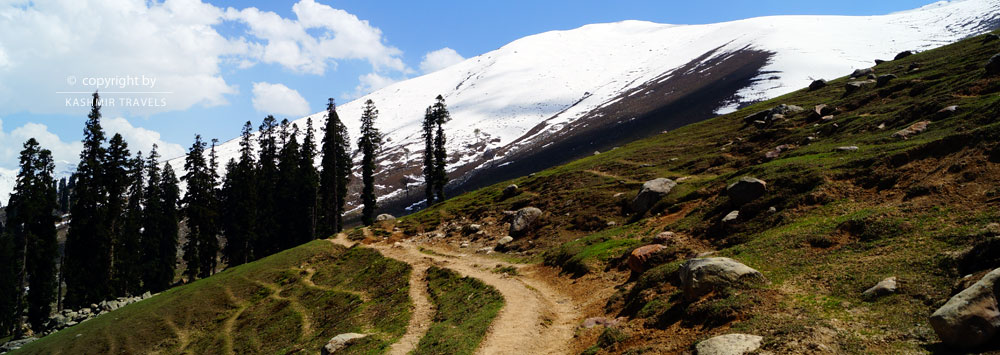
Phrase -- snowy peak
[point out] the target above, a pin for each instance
(544, 97)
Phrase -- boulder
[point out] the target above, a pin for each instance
(524, 219)
(759, 116)
(853, 86)
(902, 55)
(505, 240)
(949, 109)
(993, 66)
(970, 318)
(664, 237)
(385, 217)
(702, 276)
(596, 321)
(847, 148)
(879, 61)
(913, 129)
(472, 228)
(651, 193)
(884, 80)
(990, 37)
(774, 153)
(729, 344)
(510, 191)
(746, 189)
(341, 341)
(637, 259)
(862, 72)
(731, 217)
(885, 287)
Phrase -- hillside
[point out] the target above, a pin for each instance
(849, 202)
(549, 98)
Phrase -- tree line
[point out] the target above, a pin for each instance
(125, 211)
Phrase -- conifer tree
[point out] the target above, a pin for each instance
(239, 198)
(309, 180)
(292, 222)
(63, 193)
(151, 219)
(335, 174)
(202, 246)
(441, 116)
(115, 181)
(429, 170)
(31, 226)
(88, 262)
(8, 284)
(369, 143)
(128, 256)
(267, 177)
(166, 258)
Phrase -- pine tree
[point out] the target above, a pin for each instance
(335, 174)
(63, 193)
(291, 212)
(309, 181)
(441, 116)
(8, 284)
(370, 142)
(267, 178)
(115, 180)
(128, 256)
(239, 200)
(166, 258)
(88, 263)
(202, 246)
(429, 170)
(151, 220)
(32, 227)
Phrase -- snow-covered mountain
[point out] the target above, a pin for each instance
(546, 98)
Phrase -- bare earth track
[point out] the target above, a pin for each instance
(535, 319)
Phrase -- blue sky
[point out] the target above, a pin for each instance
(209, 56)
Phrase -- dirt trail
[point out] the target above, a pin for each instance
(535, 319)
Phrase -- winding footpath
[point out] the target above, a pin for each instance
(535, 318)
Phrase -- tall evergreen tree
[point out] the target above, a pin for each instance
(291, 211)
(335, 174)
(239, 200)
(116, 182)
(441, 116)
(128, 276)
(9, 291)
(32, 226)
(166, 259)
(63, 193)
(151, 220)
(202, 246)
(267, 178)
(370, 143)
(88, 262)
(429, 170)
(309, 180)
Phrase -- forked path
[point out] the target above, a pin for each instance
(535, 318)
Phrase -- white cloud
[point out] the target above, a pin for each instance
(66, 153)
(174, 41)
(278, 99)
(440, 59)
(141, 139)
(371, 82)
(341, 36)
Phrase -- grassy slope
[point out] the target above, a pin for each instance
(465, 308)
(844, 220)
(291, 301)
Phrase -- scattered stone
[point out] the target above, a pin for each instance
(597, 152)
(854, 86)
(731, 217)
(794, 109)
(862, 72)
(970, 318)
(879, 61)
(824, 110)
(651, 193)
(914, 66)
(341, 341)
(505, 240)
(993, 66)
(729, 344)
(618, 195)
(884, 80)
(949, 109)
(704, 275)
(872, 76)
(485, 250)
(464, 245)
(510, 191)
(847, 148)
(913, 129)
(772, 209)
(817, 84)
(902, 55)
(16, 344)
(663, 237)
(990, 37)
(472, 228)
(385, 217)
(746, 189)
(638, 258)
(524, 219)
(596, 321)
(883, 288)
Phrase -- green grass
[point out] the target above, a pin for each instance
(268, 306)
(465, 309)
